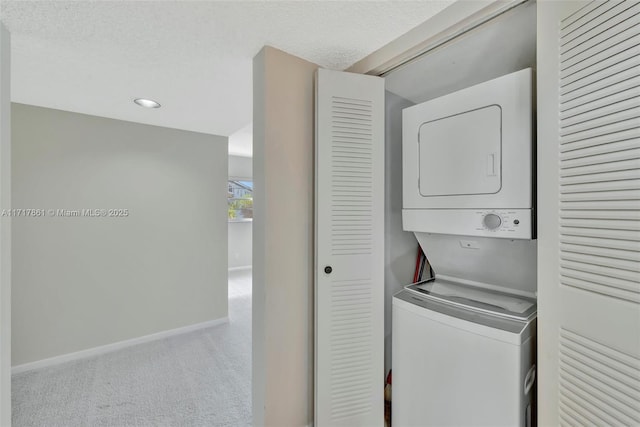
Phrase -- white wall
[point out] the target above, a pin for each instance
(400, 246)
(240, 244)
(82, 282)
(240, 167)
(283, 265)
(240, 232)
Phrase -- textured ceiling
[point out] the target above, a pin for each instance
(194, 57)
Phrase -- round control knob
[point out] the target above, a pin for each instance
(492, 221)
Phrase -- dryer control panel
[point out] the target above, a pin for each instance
(499, 221)
(504, 223)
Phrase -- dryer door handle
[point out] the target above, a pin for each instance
(491, 164)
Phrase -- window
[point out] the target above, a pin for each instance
(240, 200)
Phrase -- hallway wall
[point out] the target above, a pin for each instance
(81, 282)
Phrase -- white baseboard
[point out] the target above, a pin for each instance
(244, 267)
(96, 351)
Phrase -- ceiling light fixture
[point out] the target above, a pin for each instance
(147, 103)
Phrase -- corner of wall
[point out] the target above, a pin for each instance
(283, 238)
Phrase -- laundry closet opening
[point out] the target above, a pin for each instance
(502, 46)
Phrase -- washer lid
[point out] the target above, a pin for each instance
(477, 299)
(503, 329)
(507, 265)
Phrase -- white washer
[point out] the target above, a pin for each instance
(462, 356)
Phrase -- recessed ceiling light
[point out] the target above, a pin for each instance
(147, 103)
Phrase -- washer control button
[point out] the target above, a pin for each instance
(492, 221)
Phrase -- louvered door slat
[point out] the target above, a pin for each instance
(602, 261)
(600, 272)
(598, 232)
(601, 224)
(589, 216)
(578, 81)
(590, 25)
(616, 31)
(609, 77)
(614, 127)
(586, 58)
(615, 185)
(615, 152)
(598, 65)
(569, 416)
(591, 171)
(597, 31)
(618, 116)
(606, 385)
(615, 400)
(582, 14)
(590, 11)
(600, 242)
(598, 96)
(349, 239)
(595, 143)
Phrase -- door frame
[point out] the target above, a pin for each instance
(449, 24)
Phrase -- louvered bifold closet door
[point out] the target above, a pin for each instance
(349, 286)
(589, 212)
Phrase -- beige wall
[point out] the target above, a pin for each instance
(283, 239)
(81, 282)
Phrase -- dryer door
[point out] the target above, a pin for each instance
(470, 149)
(461, 154)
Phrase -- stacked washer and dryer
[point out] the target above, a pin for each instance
(464, 341)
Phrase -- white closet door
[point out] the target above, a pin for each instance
(589, 212)
(349, 286)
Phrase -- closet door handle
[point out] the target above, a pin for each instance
(328, 269)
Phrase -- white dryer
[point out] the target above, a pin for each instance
(468, 161)
(462, 356)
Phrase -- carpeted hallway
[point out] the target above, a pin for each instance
(201, 378)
